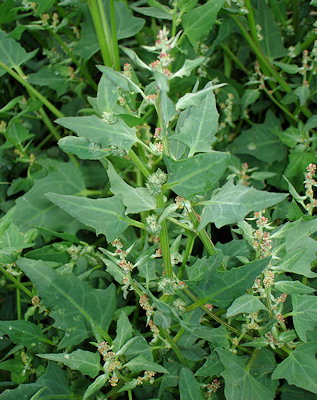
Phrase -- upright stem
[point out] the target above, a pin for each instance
(94, 8)
(115, 48)
(164, 242)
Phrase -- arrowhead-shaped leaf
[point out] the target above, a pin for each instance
(86, 362)
(232, 203)
(222, 287)
(135, 199)
(300, 367)
(76, 307)
(82, 148)
(98, 131)
(196, 175)
(239, 383)
(304, 314)
(199, 129)
(106, 216)
(245, 304)
(12, 53)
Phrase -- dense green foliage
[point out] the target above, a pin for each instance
(158, 227)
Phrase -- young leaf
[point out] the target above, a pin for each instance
(199, 21)
(304, 314)
(139, 364)
(23, 332)
(106, 216)
(300, 367)
(196, 175)
(124, 331)
(86, 362)
(135, 199)
(76, 307)
(189, 388)
(239, 383)
(98, 131)
(187, 68)
(200, 127)
(97, 384)
(232, 203)
(245, 304)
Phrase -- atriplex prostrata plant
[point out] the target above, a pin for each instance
(154, 307)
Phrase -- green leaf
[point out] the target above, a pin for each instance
(43, 6)
(211, 367)
(300, 248)
(232, 203)
(126, 24)
(106, 216)
(53, 380)
(135, 58)
(135, 199)
(197, 271)
(304, 314)
(199, 21)
(189, 388)
(245, 304)
(82, 148)
(303, 93)
(313, 3)
(98, 131)
(239, 383)
(140, 363)
(290, 137)
(289, 68)
(271, 44)
(154, 12)
(261, 142)
(33, 208)
(196, 175)
(88, 44)
(16, 134)
(98, 383)
(249, 97)
(76, 308)
(86, 362)
(50, 77)
(124, 331)
(297, 163)
(187, 68)
(293, 287)
(23, 332)
(300, 367)
(200, 126)
(8, 11)
(311, 123)
(222, 287)
(12, 242)
(12, 53)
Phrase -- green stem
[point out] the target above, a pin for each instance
(188, 250)
(18, 292)
(174, 22)
(32, 90)
(280, 105)
(202, 234)
(173, 345)
(251, 21)
(16, 282)
(94, 8)
(115, 47)
(134, 157)
(135, 223)
(234, 58)
(164, 241)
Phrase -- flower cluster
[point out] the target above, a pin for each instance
(152, 224)
(310, 183)
(155, 182)
(126, 266)
(112, 364)
(212, 387)
(227, 107)
(262, 242)
(147, 377)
